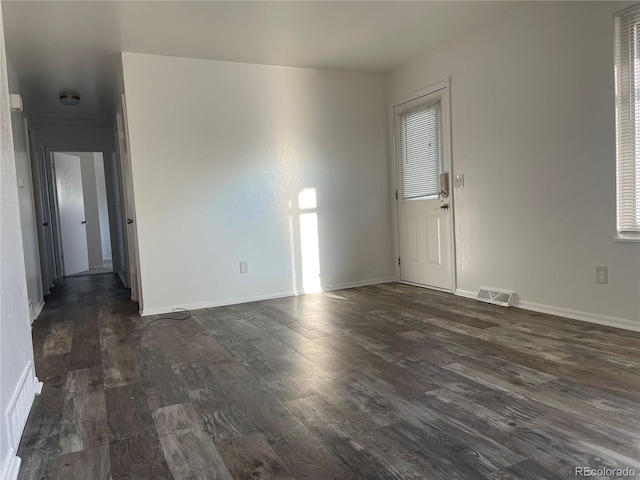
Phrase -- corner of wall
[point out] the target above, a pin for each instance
(16, 350)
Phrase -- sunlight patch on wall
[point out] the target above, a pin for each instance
(309, 244)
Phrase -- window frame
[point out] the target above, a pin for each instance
(627, 117)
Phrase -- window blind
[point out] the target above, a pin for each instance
(627, 94)
(421, 151)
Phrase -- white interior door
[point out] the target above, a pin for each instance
(423, 161)
(41, 218)
(71, 211)
(127, 185)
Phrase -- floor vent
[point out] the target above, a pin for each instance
(497, 297)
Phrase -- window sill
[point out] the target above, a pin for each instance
(627, 239)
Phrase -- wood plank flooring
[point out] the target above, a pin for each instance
(381, 382)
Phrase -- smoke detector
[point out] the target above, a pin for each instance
(69, 98)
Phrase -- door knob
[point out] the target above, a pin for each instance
(84, 222)
(129, 221)
(45, 224)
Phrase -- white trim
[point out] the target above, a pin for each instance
(123, 280)
(413, 284)
(626, 10)
(11, 466)
(257, 298)
(38, 386)
(362, 283)
(433, 88)
(605, 320)
(465, 293)
(596, 318)
(448, 142)
(38, 310)
(627, 238)
(452, 195)
(218, 303)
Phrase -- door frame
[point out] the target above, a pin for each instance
(61, 233)
(39, 192)
(55, 215)
(444, 86)
(130, 226)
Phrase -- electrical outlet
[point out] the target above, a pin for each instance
(602, 275)
(244, 267)
(459, 180)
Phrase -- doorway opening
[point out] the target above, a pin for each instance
(83, 213)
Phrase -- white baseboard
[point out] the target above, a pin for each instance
(596, 318)
(363, 283)
(39, 385)
(217, 303)
(257, 298)
(123, 280)
(465, 293)
(10, 466)
(430, 287)
(38, 310)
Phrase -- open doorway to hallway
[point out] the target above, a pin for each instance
(83, 213)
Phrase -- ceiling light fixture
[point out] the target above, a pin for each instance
(69, 99)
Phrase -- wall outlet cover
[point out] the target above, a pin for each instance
(244, 267)
(602, 274)
(459, 180)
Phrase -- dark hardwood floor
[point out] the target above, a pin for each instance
(381, 382)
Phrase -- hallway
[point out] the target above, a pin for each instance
(67, 347)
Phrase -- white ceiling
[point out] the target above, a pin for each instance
(56, 44)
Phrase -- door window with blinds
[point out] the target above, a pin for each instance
(421, 151)
(627, 73)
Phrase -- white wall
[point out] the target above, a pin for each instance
(533, 133)
(103, 208)
(220, 152)
(27, 207)
(16, 350)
